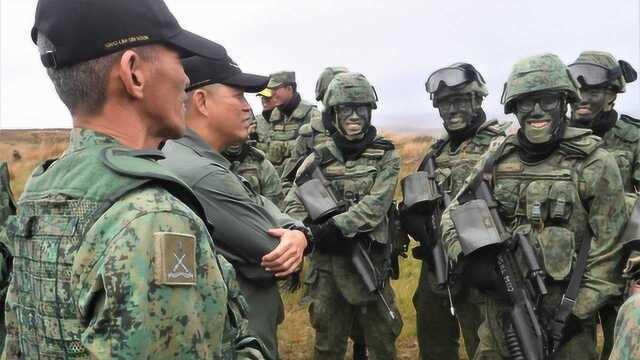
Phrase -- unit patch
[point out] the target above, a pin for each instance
(175, 258)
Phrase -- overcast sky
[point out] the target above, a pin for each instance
(396, 44)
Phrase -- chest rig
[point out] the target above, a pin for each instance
(543, 201)
(622, 141)
(283, 132)
(63, 200)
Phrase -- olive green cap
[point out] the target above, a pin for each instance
(281, 78)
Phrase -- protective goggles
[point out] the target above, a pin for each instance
(594, 74)
(345, 111)
(451, 77)
(458, 103)
(547, 102)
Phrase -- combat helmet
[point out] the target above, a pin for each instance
(538, 73)
(457, 78)
(595, 68)
(325, 79)
(350, 88)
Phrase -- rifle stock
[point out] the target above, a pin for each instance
(370, 275)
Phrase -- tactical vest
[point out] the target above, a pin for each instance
(544, 201)
(56, 211)
(7, 206)
(313, 134)
(454, 166)
(283, 132)
(622, 141)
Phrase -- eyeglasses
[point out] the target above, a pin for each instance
(345, 111)
(451, 77)
(547, 102)
(458, 103)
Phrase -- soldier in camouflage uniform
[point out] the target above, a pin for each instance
(111, 258)
(555, 185)
(361, 170)
(291, 112)
(252, 164)
(262, 120)
(457, 92)
(602, 77)
(7, 208)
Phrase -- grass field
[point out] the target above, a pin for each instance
(25, 149)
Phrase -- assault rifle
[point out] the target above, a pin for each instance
(321, 204)
(479, 225)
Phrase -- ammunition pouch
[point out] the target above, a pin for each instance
(475, 226)
(418, 188)
(317, 200)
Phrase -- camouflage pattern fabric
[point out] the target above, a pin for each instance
(338, 296)
(627, 331)
(438, 332)
(572, 195)
(623, 142)
(277, 137)
(110, 265)
(7, 208)
(260, 174)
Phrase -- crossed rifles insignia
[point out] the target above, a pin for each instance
(180, 269)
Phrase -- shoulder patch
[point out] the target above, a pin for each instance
(174, 259)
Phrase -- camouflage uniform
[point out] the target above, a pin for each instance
(627, 331)
(109, 263)
(573, 194)
(7, 208)
(438, 331)
(277, 137)
(621, 137)
(252, 165)
(339, 298)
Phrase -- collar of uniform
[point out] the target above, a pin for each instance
(193, 141)
(83, 138)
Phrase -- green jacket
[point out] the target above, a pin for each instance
(110, 262)
(367, 185)
(277, 138)
(260, 173)
(623, 142)
(574, 195)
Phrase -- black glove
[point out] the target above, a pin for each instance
(479, 271)
(326, 236)
(415, 224)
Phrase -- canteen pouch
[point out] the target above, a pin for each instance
(317, 200)
(475, 226)
(417, 188)
(558, 247)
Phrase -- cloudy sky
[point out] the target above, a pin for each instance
(396, 44)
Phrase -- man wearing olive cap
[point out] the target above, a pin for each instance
(290, 113)
(262, 119)
(260, 241)
(111, 258)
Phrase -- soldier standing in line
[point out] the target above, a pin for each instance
(602, 77)
(111, 258)
(262, 119)
(283, 126)
(457, 92)
(556, 187)
(361, 171)
(252, 164)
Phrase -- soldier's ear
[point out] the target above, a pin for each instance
(132, 73)
(199, 100)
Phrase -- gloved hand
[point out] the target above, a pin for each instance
(326, 236)
(414, 222)
(479, 271)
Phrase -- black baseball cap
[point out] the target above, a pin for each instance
(82, 30)
(204, 71)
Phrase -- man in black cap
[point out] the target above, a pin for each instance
(262, 243)
(110, 256)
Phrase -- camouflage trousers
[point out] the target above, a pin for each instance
(333, 319)
(493, 346)
(438, 331)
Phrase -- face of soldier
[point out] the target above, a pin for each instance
(456, 111)
(353, 120)
(594, 101)
(281, 95)
(230, 114)
(539, 115)
(164, 94)
(268, 103)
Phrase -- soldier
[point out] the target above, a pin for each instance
(7, 208)
(361, 171)
(111, 259)
(457, 92)
(554, 185)
(291, 112)
(260, 241)
(602, 77)
(252, 164)
(262, 120)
